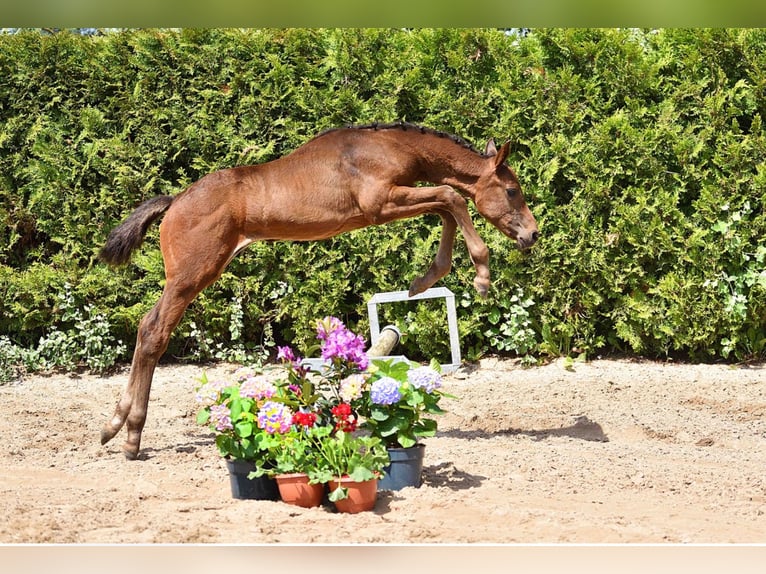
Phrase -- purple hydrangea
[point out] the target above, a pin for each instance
(220, 416)
(424, 378)
(385, 391)
(274, 417)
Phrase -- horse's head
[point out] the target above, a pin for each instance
(499, 199)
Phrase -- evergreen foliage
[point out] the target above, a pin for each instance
(641, 154)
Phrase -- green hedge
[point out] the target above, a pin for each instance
(641, 153)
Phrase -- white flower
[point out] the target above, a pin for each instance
(424, 378)
(208, 394)
(351, 387)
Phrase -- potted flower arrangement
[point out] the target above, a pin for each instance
(348, 421)
(398, 405)
(351, 466)
(233, 410)
(297, 467)
(322, 443)
(306, 456)
(393, 401)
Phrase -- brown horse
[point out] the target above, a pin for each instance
(343, 179)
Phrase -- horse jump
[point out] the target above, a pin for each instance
(342, 179)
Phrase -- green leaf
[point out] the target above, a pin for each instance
(361, 474)
(203, 416)
(244, 429)
(236, 409)
(406, 439)
(338, 494)
(379, 414)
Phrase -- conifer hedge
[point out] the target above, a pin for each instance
(640, 152)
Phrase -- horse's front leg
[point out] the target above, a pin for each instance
(403, 202)
(442, 263)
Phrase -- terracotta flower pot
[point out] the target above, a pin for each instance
(295, 489)
(361, 495)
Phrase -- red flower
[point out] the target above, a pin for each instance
(342, 410)
(346, 425)
(344, 420)
(304, 419)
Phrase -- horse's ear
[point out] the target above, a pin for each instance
(502, 155)
(490, 150)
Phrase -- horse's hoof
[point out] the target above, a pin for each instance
(416, 287)
(482, 286)
(130, 452)
(107, 434)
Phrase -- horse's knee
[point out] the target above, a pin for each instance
(149, 347)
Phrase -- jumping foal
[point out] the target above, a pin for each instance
(343, 179)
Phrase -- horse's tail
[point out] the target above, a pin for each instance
(129, 234)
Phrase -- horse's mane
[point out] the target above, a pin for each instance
(406, 126)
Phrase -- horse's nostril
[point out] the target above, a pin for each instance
(535, 235)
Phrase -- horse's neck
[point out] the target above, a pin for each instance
(448, 163)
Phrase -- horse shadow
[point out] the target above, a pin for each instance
(446, 475)
(582, 429)
(188, 447)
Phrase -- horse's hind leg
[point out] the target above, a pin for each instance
(442, 263)
(187, 273)
(154, 333)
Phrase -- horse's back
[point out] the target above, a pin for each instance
(329, 185)
(365, 156)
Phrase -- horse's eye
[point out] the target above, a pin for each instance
(511, 192)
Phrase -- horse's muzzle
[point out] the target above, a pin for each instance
(527, 240)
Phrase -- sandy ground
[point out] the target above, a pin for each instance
(611, 451)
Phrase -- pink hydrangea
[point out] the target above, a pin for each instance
(209, 393)
(257, 387)
(274, 417)
(220, 416)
